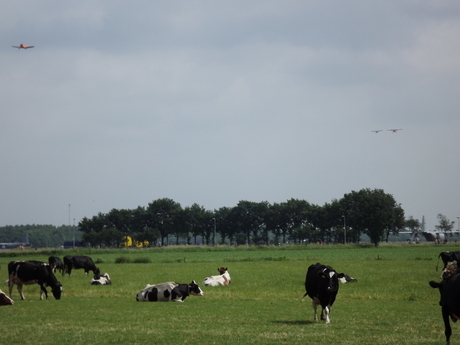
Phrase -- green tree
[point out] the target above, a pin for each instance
(374, 213)
(445, 225)
(160, 215)
(413, 225)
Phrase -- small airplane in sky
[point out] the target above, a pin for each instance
(23, 46)
(394, 130)
(377, 130)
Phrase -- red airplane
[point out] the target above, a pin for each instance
(394, 130)
(22, 46)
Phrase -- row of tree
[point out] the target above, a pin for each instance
(40, 236)
(370, 212)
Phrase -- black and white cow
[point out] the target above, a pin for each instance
(167, 292)
(77, 262)
(450, 301)
(33, 272)
(322, 285)
(448, 257)
(4, 299)
(102, 279)
(222, 279)
(56, 264)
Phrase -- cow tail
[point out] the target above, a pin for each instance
(438, 262)
(306, 293)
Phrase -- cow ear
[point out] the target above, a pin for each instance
(193, 282)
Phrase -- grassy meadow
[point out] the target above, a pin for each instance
(392, 302)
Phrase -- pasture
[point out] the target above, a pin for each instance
(392, 302)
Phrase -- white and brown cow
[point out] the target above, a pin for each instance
(101, 279)
(168, 292)
(4, 299)
(221, 280)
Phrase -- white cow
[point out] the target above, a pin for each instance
(102, 279)
(222, 279)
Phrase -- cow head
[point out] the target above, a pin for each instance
(450, 268)
(4, 299)
(194, 289)
(57, 290)
(329, 279)
(222, 270)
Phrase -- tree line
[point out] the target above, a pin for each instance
(40, 236)
(366, 212)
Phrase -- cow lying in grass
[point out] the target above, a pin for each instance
(4, 299)
(168, 292)
(100, 279)
(222, 279)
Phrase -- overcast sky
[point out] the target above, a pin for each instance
(211, 102)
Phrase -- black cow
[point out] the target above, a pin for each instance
(33, 272)
(77, 262)
(450, 301)
(448, 257)
(322, 285)
(55, 263)
(167, 292)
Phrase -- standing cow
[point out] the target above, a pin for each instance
(222, 279)
(322, 285)
(167, 292)
(450, 301)
(77, 262)
(33, 272)
(56, 264)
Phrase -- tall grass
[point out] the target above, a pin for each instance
(391, 303)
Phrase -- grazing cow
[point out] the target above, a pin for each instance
(56, 264)
(448, 256)
(222, 279)
(77, 262)
(4, 299)
(167, 292)
(33, 272)
(102, 279)
(322, 285)
(450, 301)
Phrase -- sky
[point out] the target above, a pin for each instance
(212, 102)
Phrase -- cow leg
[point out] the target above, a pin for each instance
(325, 314)
(20, 291)
(448, 329)
(10, 286)
(43, 290)
(314, 304)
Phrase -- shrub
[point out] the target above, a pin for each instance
(123, 260)
(142, 260)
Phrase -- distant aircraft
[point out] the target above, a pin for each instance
(17, 245)
(394, 130)
(377, 130)
(23, 46)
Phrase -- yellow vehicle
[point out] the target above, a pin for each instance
(129, 242)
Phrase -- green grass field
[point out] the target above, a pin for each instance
(392, 302)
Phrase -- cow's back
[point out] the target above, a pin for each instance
(312, 280)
